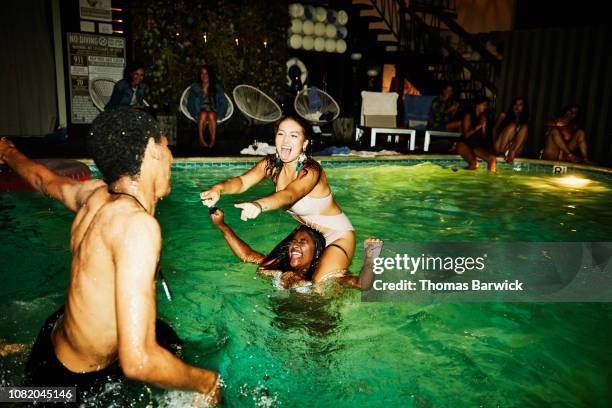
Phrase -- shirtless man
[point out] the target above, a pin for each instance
(109, 317)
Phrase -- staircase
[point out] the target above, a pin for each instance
(429, 47)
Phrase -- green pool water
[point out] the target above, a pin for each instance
(282, 348)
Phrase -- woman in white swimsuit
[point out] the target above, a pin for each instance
(301, 186)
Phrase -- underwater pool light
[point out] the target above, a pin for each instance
(572, 181)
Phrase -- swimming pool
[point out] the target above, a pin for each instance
(282, 348)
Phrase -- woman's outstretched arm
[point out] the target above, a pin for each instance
(294, 191)
(235, 185)
(240, 248)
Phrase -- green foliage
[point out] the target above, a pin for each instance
(169, 38)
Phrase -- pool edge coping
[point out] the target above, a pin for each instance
(382, 158)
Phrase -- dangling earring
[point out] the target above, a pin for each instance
(277, 161)
(300, 162)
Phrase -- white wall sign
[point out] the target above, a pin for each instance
(99, 10)
(91, 56)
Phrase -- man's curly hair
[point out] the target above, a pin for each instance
(117, 141)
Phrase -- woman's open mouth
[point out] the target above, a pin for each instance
(285, 152)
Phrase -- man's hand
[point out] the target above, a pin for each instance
(249, 210)
(210, 197)
(212, 397)
(216, 216)
(5, 146)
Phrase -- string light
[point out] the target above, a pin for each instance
(205, 37)
(236, 41)
(265, 43)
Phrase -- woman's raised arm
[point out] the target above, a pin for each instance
(235, 185)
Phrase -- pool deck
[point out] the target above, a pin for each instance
(518, 163)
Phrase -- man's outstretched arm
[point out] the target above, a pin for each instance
(136, 244)
(69, 192)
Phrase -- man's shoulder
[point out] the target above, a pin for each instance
(121, 216)
(129, 215)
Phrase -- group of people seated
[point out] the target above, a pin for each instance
(482, 138)
(205, 101)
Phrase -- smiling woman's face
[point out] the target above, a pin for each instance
(290, 140)
(137, 76)
(204, 75)
(301, 251)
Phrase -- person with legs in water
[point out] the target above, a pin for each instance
(475, 140)
(296, 258)
(510, 130)
(302, 187)
(108, 324)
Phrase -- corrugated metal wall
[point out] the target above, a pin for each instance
(554, 68)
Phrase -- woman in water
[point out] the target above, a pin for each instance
(295, 259)
(301, 186)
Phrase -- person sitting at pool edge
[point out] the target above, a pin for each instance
(301, 186)
(475, 140)
(510, 130)
(296, 257)
(108, 323)
(564, 137)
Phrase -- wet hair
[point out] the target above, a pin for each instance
(117, 141)
(279, 259)
(130, 69)
(274, 164)
(510, 117)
